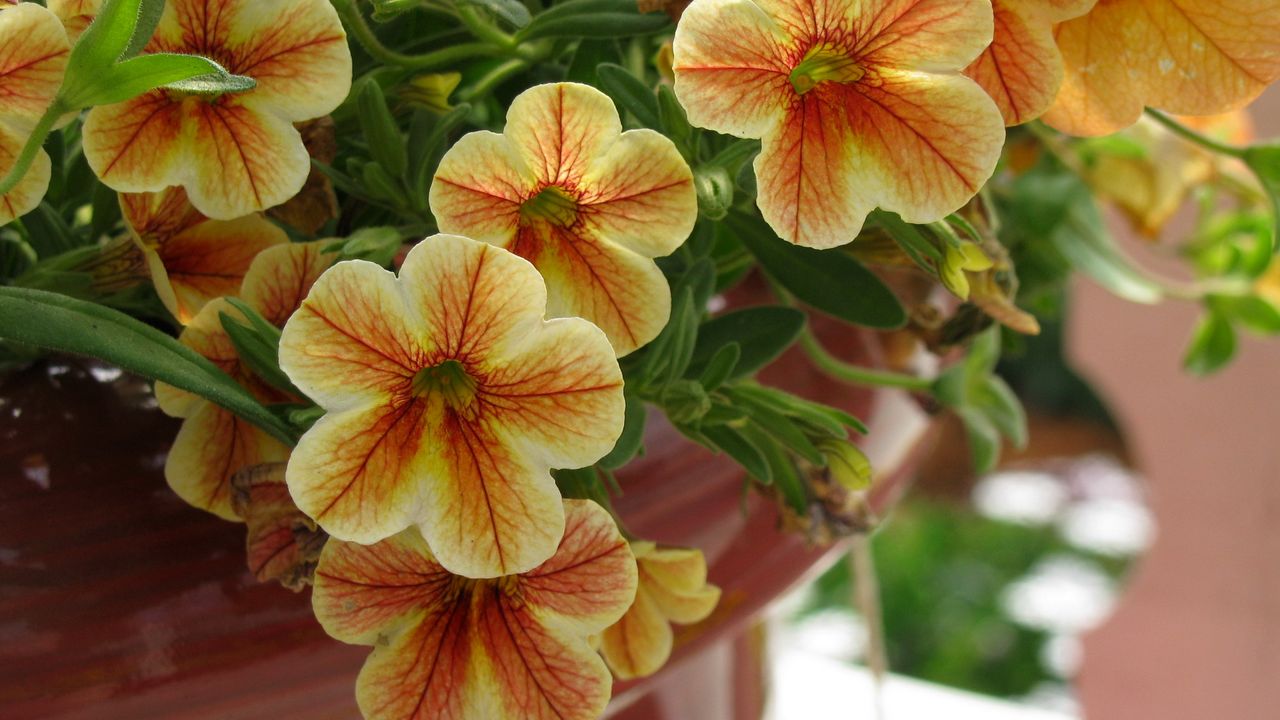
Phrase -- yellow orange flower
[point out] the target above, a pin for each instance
(75, 15)
(192, 259)
(450, 648)
(1192, 57)
(449, 399)
(672, 588)
(213, 444)
(1022, 69)
(33, 57)
(587, 204)
(234, 153)
(281, 543)
(858, 104)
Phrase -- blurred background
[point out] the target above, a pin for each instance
(1124, 566)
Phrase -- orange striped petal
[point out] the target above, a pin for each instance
(921, 35)
(437, 386)
(1190, 57)
(30, 190)
(587, 204)
(1022, 69)
(731, 67)
(137, 145)
(33, 58)
(448, 648)
(75, 15)
(282, 275)
(281, 543)
(194, 259)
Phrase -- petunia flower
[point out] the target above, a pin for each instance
(1191, 57)
(75, 15)
(858, 104)
(190, 258)
(234, 153)
(213, 444)
(281, 542)
(672, 589)
(1022, 69)
(589, 205)
(450, 648)
(449, 399)
(33, 58)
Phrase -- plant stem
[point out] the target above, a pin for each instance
(492, 79)
(1197, 138)
(360, 30)
(32, 147)
(857, 374)
(483, 29)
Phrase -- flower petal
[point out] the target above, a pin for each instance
(731, 67)
(26, 195)
(925, 35)
(640, 643)
(281, 276)
(349, 345)
(640, 195)
(297, 52)
(677, 580)
(558, 128)
(623, 293)
(1186, 57)
(211, 446)
(591, 576)
(75, 15)
(479, 187)
(33, 58)
(281, 543)
(136, 145)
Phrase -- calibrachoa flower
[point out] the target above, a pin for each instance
(450, 648)
(1192, 57)
(33, 57)
(673, 588)
(449, 398)
(281, 542)
(213, 444)
(858, 105)
(192, 259)
(75, 15)
(1022, 69)
(587, 204)
(234, 153)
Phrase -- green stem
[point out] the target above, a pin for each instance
(1197, 138)
(492, 79)
(857, 374)
(360, 30)
(29, 151)
(483, 29)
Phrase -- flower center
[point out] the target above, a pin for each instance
(448, 379)
(552, 205)
(824, 63)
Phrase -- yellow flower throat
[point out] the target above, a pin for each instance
(449, 380)
(824, 63)
(552, 205)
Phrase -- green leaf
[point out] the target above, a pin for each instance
(631, 441)
(429, 147)
(591, 53)
(984, 439)
(913, 242)
(1264, 160)
(1250, 311)
(777, 425)
(512, 11)
(672, 117)
(119, 31)
(786, 477)
(386, 143)
(721, 365)
(56, 322)
(743, 451)
(258, 351)
(1002, 407)
(630, 94)
(593, 19)
(828, 280)
(1212, 346)
(762, 332)
(184, 73)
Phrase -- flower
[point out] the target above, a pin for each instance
(449, 398)
(33, 57)
(672, 588)
(1022, 69)
(450, 648)
(75, 15)
(281, 543)
(213, 444)
(1191, 57)
(192, 259)
(858, 105)
(234, 153)
(587, 204)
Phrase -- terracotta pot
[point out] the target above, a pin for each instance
(119, 601)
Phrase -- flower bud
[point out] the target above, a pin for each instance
(846, 464)
(715, 191)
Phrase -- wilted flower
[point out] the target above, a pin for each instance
(448, 647)
(587, 204)
(449, 399)
(233, 153)
(858, 105)
(281, 542)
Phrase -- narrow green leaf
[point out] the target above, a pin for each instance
(1212, 346)
(1003, 408)
(738, 447)
(591, 53)
(631, 441)
(779, 426)
(427, 156)
(56, 322)
(828, 280)
(1264, 160)
(593, 19)
(984, 439)
(258, 353)
(630, 94)
(673, 119)
(762, 333)
(386, 143)
(1250, 311)
(721, 365)
(185, 73)
(512, 11)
